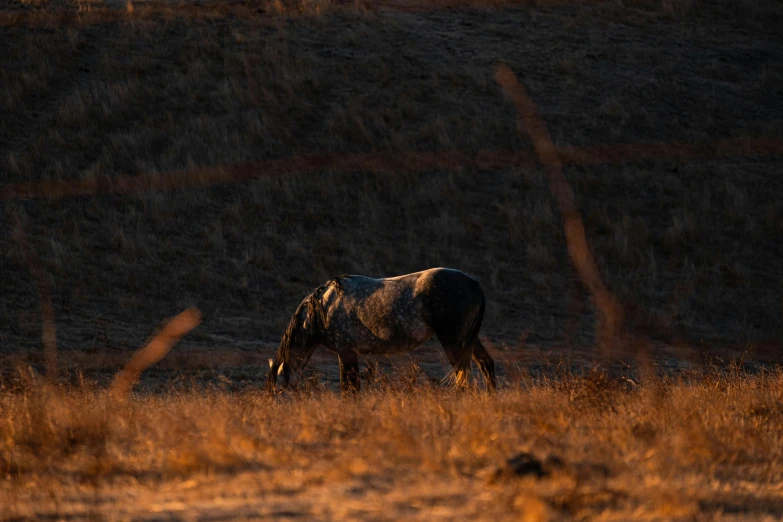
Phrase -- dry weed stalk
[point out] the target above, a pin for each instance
(48, 328)
(528, 119)
(155, 350)
(380, 162)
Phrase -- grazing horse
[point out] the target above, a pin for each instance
(353, 314)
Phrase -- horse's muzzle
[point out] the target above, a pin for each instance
(278, 376)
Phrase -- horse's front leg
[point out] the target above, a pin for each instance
(349, 370)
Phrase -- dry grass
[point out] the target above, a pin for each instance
(706, 443)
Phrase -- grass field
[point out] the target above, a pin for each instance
(234, 155)
(705, 446)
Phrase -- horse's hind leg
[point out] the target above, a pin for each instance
(349, 370)
(485, 364)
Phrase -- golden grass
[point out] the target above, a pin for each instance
(706, 443)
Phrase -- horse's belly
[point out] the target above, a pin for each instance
(394, 344)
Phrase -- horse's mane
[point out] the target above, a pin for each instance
(315, 315)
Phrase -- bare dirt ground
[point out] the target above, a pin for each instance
(216, 149)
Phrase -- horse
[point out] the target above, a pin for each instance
(353, 314)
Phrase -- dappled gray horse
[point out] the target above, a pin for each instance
(353, 315)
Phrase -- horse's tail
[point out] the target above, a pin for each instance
(458, 372)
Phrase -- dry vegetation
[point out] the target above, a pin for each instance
(706, 444)
(691, 245)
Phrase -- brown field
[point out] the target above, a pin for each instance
(234, 155)
(705, 447)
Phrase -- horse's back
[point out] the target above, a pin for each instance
(434, 281)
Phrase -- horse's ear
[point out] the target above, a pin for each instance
(271, 362)
(280, 369)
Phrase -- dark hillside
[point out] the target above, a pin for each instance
(696, 239)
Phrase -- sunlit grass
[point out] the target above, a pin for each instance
(665, 447)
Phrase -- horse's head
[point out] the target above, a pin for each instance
(301, 338)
